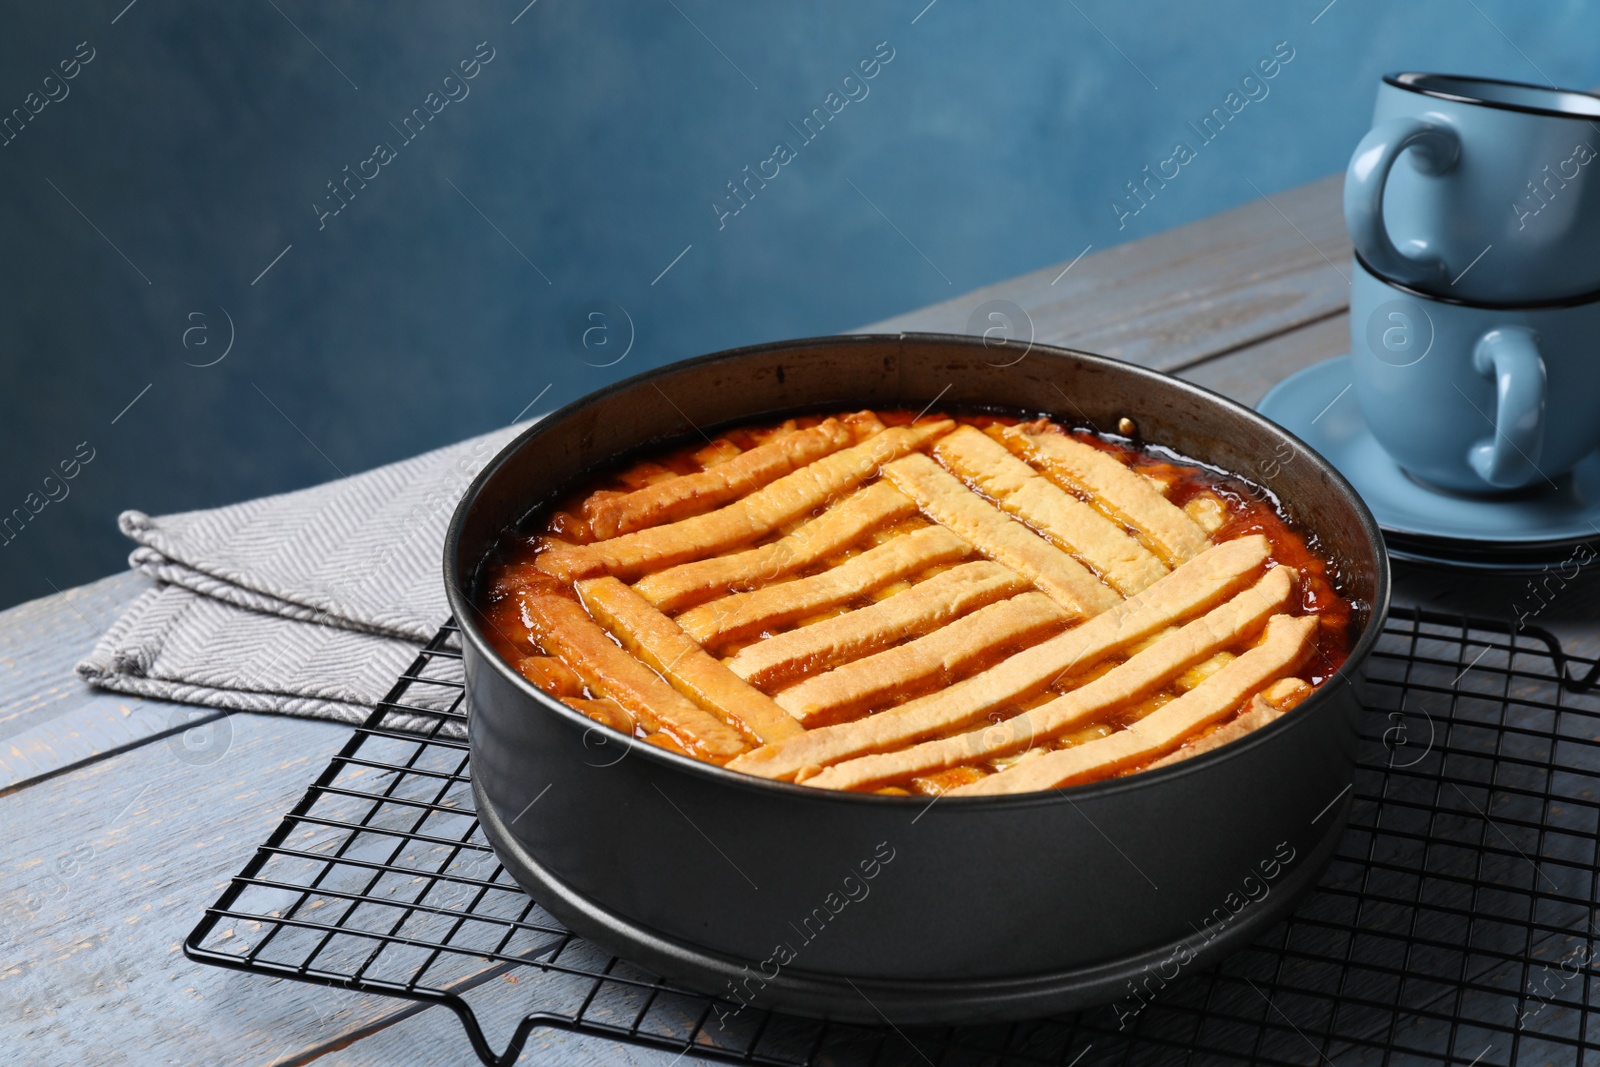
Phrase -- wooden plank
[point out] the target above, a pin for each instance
(1247, 374)
(48, 718)
(34, 635)
(108, 867)
(1188, 293)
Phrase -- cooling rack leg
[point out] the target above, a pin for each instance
(475, 1035)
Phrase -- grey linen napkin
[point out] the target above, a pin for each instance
(307, 603)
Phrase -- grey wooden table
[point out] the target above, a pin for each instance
(116, 833)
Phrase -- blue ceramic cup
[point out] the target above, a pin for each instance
(1470, 398)
(1478, 189)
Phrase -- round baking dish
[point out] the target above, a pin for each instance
(858, 906)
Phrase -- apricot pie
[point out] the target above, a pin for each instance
(939, 604)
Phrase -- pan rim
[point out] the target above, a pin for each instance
(463, 609)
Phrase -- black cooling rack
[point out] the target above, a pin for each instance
(1455, 925)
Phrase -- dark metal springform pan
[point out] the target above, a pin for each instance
(866, 907)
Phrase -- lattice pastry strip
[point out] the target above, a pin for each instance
(676, 498)
(1195, 586)
(745, 614)
(1120, 492)
(828, 534)
(1074, 526)
(926, 606)
(939, 657)
(946, 501)
(1285, 645)
(1269, 704)
(750, 517)
(563, 628)
(1139, 676)
(663, 646)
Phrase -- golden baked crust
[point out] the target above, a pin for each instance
(875, 602)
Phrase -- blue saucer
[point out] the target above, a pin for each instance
(1318, 406)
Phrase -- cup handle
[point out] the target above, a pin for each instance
(1438, 148)
(1509, 459)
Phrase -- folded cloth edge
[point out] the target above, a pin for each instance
(149, 560)
(116, 665)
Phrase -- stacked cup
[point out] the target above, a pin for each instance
(1474, 208)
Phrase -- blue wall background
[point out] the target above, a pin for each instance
(449, 293)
